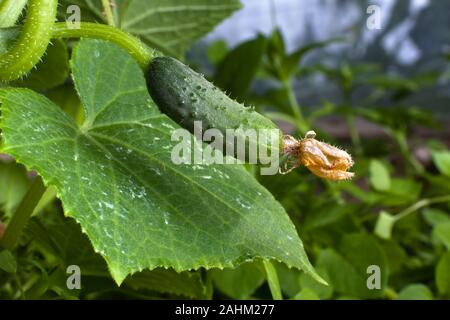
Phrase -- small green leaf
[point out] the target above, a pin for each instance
(241, 282)
(384, 225)
(272, 279)
(415, 292)
(442, 233)
(217, 50)
(187, 284)
(442, 275)
(7, 262)
(435, 217)
(380, 178)
(441, 159)
(115, 176)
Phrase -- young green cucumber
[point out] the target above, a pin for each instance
(188, 98)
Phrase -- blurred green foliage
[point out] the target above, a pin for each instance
(394, 215)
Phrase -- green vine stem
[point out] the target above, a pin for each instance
(272, 280)
(32, 42)
(420, 204)
(23, 213)
(136, 48)
(108, 12)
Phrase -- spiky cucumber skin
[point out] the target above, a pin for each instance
(186, 96)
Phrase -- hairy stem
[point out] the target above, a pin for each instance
(140, 52)
(23, 213)
(32, 42)
(10, 11)
(108, 12)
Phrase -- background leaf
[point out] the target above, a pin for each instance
(237, 70)
(384, 225)
(241, 282)
(442, 233)
(170, 25)
(415, 292)
(441, 159)
(443, 274)
(380, 178)
(7, 261)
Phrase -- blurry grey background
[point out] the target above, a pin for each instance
(414, 36)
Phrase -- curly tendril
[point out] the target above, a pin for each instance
(40, 27)
(32, 42)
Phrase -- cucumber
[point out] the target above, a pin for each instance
(186, 96)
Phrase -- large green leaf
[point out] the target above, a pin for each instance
(115, 176)
(415, 291)
(7, 262)
(380, 178)
(442, 233)
(173, 25)
(441, 159)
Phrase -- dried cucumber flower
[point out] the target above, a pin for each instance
(320, 158)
